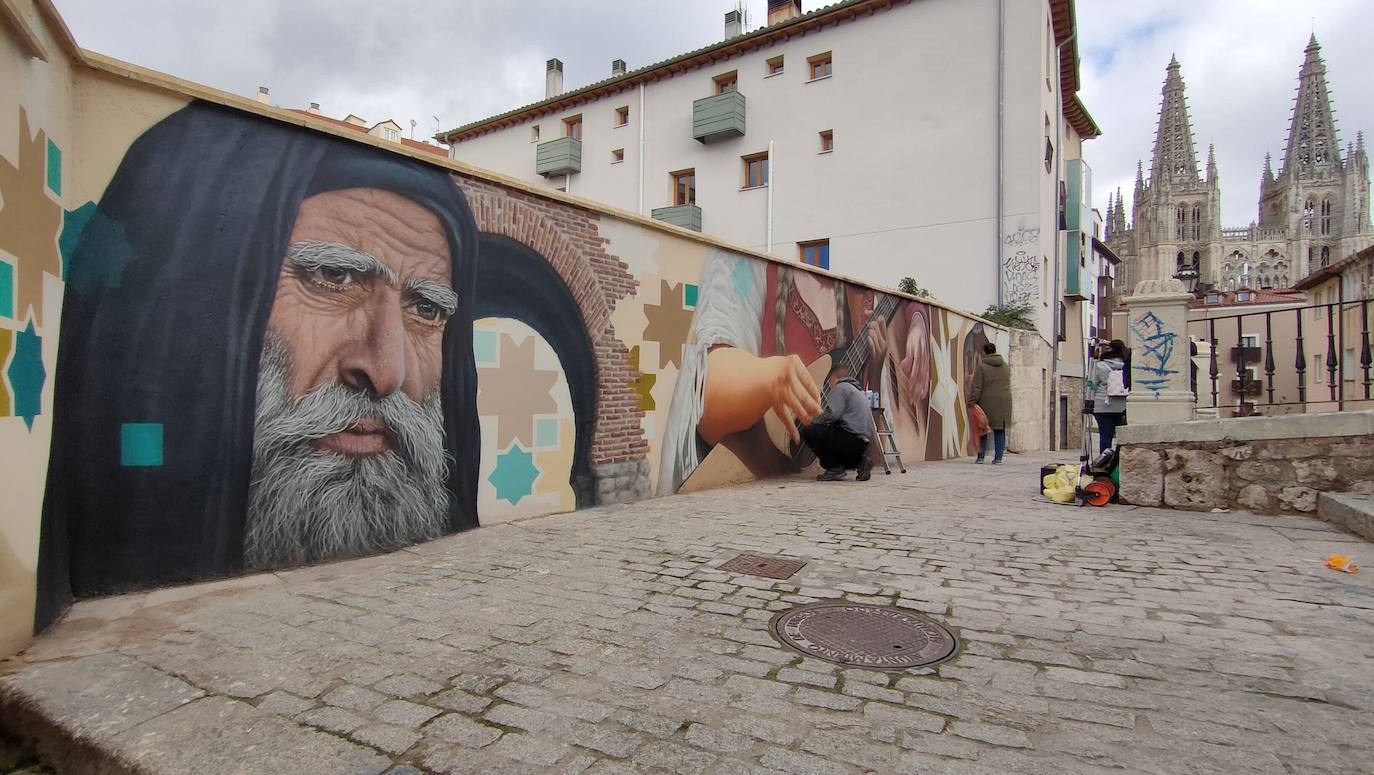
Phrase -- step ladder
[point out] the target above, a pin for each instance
(883, 436)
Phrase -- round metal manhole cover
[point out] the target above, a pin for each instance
(860, 635)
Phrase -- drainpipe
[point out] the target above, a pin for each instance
(1054, 280)
(997, 249)
(567, 183)
(772, 172)
(641, 148)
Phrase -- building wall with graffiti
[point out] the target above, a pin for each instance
(281, 346)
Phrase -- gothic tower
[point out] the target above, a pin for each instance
(1311, 196)
(1176, 214)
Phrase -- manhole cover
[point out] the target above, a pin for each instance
(763, 565)
(874, 636)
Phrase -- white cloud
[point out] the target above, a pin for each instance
(464, 60)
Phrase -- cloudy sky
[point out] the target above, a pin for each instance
(461, 60)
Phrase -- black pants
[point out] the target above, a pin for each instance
(835, 446)
(1107, 423)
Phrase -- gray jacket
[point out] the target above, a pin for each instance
(846, 406)
(1103, 403)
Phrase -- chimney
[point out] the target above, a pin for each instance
(617, 67)
(262, 94)
(314, 108)
(553, 78)
(733, 28)
(782, 10)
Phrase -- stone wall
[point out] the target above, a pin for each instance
(1032, 361)
(1268, 465)
(1072, 389)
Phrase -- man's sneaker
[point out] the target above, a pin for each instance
(832, 475)
(979, 461)
(865, 469)
(997, 461)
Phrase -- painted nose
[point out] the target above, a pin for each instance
(375, 363)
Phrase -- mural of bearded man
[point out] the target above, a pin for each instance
(265, 359)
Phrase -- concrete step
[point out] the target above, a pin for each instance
(1350, 510)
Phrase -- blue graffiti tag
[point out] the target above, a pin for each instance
(1157, 349)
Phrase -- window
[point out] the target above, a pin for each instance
(827, 141)
(622, 115)
(1049, 154)
(534, 133)
(1197, 222)
(1213, 298)
(684, 187)
(819, 66)
(774, 66)
(617, 155)
(1243, 296)
(727, 83)
(1326, 216)
(1318, 367)
(755, 170)
(1180, 217)
(1307, 216)
(391, 134)
(572, 127)
(815, 253)
(1326, 255)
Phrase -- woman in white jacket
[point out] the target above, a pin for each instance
(1110, 410)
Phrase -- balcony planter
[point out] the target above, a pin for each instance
(718, 117)
(686, 216)
(558, 157)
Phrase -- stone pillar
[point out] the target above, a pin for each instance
(1157, 333)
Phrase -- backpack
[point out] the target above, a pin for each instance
(1116, 384)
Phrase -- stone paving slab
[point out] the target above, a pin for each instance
(1118, 639)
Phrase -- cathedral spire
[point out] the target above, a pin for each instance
(1211, 163)
(1139, 181)
(1312, 144)
(1120, 211)
(1175, 157)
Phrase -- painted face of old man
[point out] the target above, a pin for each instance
(348, 448)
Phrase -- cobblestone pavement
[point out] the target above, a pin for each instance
(1115, 639)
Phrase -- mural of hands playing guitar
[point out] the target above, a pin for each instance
(764, 339)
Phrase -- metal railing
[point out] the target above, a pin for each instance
(1263, 345)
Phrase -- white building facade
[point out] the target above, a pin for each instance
(877, 138)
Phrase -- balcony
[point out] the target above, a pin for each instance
(718, 117)
(1250, 388)
(1249, 354)
(686, 216)
(558, 157)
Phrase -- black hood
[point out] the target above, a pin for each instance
(167, 300)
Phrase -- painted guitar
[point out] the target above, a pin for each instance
(767, 449)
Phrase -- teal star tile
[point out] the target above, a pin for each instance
(140, 444)
(6, 289)
(546, 433)
(514, 475)
(27, 374)
(54, 167)
(484, 347)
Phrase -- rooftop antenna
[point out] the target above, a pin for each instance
(412, 129)
(437, 127)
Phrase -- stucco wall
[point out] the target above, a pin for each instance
(911, 186)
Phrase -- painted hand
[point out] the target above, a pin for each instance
(793, 394)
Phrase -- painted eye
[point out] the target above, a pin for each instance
(429, 311)
(336, 276)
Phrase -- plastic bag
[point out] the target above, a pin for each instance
(978, 420)
(1061, 486)
(1342, 563)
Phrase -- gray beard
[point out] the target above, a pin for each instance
(307, 504)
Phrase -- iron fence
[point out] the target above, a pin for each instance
(1270, 351)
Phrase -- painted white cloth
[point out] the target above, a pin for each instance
(729, 312)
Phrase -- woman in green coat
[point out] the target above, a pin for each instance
(992, 392)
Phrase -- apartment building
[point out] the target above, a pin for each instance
(875, 138)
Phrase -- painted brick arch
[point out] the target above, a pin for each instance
(569, 239)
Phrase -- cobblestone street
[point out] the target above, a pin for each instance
(1117, 639)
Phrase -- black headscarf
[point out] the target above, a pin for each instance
(167, 300)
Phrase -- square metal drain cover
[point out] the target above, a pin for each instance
(763, 565)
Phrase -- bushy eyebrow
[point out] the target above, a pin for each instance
(435, 293)
(310, 256)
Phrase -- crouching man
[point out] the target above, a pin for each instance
(840, 435)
